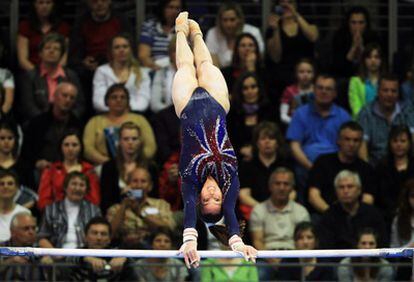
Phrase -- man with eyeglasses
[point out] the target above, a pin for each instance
(314, 129)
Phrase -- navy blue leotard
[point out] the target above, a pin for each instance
(206, 151)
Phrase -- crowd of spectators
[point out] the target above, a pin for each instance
(90, 143)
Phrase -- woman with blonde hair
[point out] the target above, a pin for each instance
(122, 68)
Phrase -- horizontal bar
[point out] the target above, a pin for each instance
(386, 253)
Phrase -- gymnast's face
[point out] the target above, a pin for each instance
(211, 197)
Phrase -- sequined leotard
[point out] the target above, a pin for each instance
(206, 150)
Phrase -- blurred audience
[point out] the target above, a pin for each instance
(43, 19)
(138, 215)
(156, 34)
(221, 39)
(7, 87)
(101, 132)
(52, 178)
(122, 68)
(170, 182)
(41, 83)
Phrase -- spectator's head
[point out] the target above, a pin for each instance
(325, 90)
(172, 51)
(120, 49)
(245, 45)
(305, 236)
(130, 140)
(98, 233)
(367, 239)
(65, 97)
(357, 20)
(267, 138)
(281, 184)
(348, 188)
(388, 92)
(248, 90)
(23, 230)
(51, 49)
(9, 184)
(140, 179)
(372, 61)
(161, 239)
(230, 19)
(42, 10)
(76, 186)
(8, 139)
(349, 140)
(283, 4)
(100, 9)
(305, 72)
(71, 146)
(405, 210)
(400, 143)
(117, 99)
(168, 10)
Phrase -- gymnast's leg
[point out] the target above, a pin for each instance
(185, 81)
(209, 76)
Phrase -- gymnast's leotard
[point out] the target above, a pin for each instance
(206, 151)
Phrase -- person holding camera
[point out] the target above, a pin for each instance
(137, 215)
(289, 37)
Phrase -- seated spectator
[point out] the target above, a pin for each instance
(156, 34)
(363, 88)
(246, 58)
(41, 136)
(249, 108)
(167, 132)
(130, 155)
(273, 221)
(23, 234)
(165, 269)
(221, 39)
(8, 208)
(350, 40)
(367, 239)
(228, 269)
(161, 89)
(289, 37)
(90, 39)
(122, 68)
(101, 131)
(9, 154)
(98, 236)
(299, 93)
(41, 83)
(7, 90)
(169, 183)
(64, 221)
(314, 128)
(378, 117)
(43, 20)
(268, 154)
(394, 170)
(133, 220)
(51, 181)
(340, 224)
(305, 239)
(321, 192)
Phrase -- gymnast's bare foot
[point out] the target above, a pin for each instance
(181, 23)
(194, 29)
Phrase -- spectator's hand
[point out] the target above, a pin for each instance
(247, 152)
(18, 260)
(251, 61)
(128, 203)
(249, 253)
(42, 164)
(117, 264)
(90, 63)
(173, 173)
(46, 260)
(273, 21)
(98, 265)
(191, 256)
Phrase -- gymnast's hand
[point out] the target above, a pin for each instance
(249, 253)
(189, 248)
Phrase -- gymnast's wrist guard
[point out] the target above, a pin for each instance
(236, 243)
(190, 234)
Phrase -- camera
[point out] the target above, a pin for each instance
(135, 194)
(278, 10)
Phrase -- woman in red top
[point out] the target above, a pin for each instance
(41, 21)
(51, 182)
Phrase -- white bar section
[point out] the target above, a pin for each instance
(397, 252)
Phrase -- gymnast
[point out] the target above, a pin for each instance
(207, 160)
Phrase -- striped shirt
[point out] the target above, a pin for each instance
(153, 35)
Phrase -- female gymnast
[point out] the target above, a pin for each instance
(208, 164)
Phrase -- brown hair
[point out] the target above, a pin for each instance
(230, 6)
